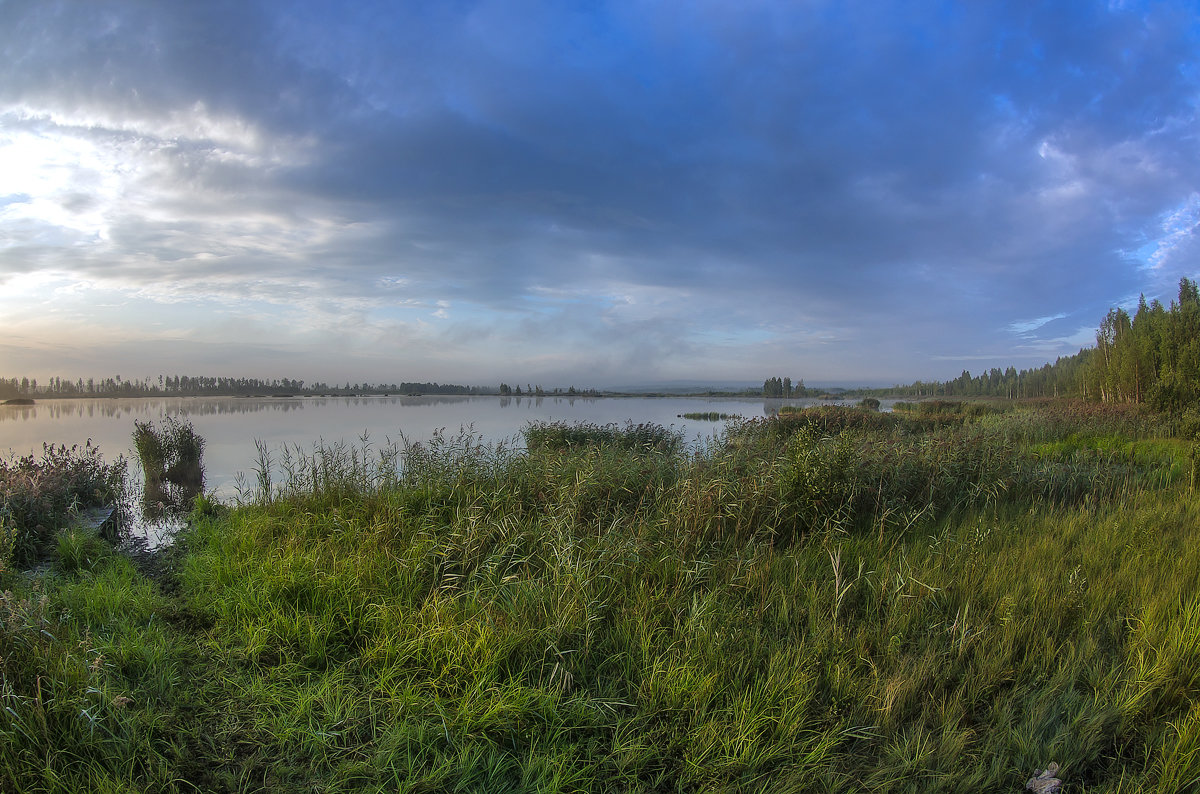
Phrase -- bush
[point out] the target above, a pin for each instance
(1189, 425)
(38, 496)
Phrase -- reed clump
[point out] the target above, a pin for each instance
(171, 454)
(709, 416)
(812, 602)
(643, 437)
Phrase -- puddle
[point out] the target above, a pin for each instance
(153, 534)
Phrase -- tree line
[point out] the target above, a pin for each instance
(1150, 357)
(537, 391)
(192, 386)
(783, 387)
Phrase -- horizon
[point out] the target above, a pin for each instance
(42, 387)
(42, 384)
(627, 193)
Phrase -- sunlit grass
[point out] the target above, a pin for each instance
(830, 605)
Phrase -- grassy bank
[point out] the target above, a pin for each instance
(832, 600)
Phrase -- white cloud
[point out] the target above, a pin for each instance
(1025, 327)
(1178, 227)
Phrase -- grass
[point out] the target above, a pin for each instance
(640, 437)
(709, 416)
(816, 602)
(170, 453)
(171, 456)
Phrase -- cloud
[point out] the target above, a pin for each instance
(828, 189)
(1026, 327)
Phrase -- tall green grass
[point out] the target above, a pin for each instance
(819, 603)
(643, 437)
(709, 416)
(171, 452)
(171, 455)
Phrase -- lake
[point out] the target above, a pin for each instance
(231, 426)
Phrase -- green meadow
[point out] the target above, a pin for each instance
(946, 598)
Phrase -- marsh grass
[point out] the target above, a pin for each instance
(171, 454)
(38, 495)
(709, 416)
(644, 437)
(824, 604)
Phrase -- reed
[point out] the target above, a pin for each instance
(643, 437)
(816, 602)
(171, 456)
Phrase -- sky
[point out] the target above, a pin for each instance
(587, 193)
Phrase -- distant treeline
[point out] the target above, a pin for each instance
(538, 391)
(783, 387)
(189, 386)
(1152, 357)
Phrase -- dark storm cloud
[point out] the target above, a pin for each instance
(847, 170)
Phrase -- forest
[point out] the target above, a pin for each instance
(1151, 358)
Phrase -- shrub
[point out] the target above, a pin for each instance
(38, 496)
(1189, 425)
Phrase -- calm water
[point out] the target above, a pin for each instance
(232, 425)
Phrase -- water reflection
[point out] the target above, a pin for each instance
(17, 412)
(543, 400)
(137, 407)
(116, 408)
(157, 514)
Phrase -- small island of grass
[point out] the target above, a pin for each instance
(708, 416)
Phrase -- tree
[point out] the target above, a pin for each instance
(773, 387)
(1189, 292)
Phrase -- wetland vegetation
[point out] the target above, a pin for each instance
(171, 457)
(948, 597)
